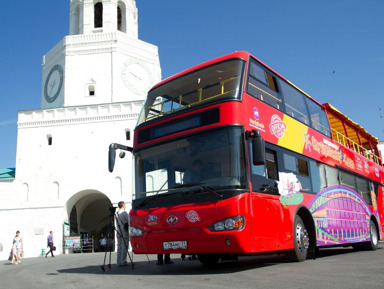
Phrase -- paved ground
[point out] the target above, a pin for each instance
(334, 268)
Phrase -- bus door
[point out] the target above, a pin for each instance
(268, 212)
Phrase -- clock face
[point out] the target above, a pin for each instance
(136, 76)
(53, 83)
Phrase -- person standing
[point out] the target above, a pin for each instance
(166, 259)
(17, 247)
(103, 243)
(122, 220)
(50, 244)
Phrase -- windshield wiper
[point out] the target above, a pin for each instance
(149, 199)
(203, 189)
(209, 189)
(146, 200)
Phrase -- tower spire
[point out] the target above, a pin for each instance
(103, 16)
(95, 63)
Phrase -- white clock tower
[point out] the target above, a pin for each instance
(102, 60)
(93, 87)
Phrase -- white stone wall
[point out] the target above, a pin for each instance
(77, 158)
(34, 225)
(48, 176)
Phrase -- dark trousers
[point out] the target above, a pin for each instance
(167, 258)
(50, 245)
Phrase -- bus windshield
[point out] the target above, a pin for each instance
(213, 161)
(212, 83)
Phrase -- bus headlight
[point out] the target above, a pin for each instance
(229, 224)
(135, 232)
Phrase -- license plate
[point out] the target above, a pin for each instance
(175, 245)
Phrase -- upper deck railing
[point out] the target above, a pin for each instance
(352, 135)
(357, 148)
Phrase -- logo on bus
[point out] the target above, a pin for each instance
(152, 220)
(256, 113)
(255, 121)
(192, 216)
(277, 126)
(171, 220)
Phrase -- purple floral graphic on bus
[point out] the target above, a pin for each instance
(341, 216)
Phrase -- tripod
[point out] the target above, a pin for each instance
(110, 236)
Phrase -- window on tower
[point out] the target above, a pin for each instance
(98, 15)
(91, 90)
(119, 19)
(121, 16)
(49, 139)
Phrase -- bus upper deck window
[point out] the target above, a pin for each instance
(272, 83)
(263, 85)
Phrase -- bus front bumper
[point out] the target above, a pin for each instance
(191, 241)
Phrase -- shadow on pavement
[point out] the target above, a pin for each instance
(186, 267)
(180, 267)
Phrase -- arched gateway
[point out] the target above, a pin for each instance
(89, 217)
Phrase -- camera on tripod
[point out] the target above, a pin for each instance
(112, 211)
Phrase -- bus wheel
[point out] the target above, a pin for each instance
(301, 241)
(208, 259)
(374, 242)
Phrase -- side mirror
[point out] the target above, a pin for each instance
(111, 159)
(258, 151)
(112, 154)
(258, 147)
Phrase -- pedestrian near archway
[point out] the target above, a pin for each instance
(17, 248)
(50, 244)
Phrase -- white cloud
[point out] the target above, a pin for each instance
(7, 122)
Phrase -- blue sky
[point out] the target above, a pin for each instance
(332, 49)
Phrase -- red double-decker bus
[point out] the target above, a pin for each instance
(232, 159)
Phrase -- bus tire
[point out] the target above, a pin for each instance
(301, 241)
(374, 242)
(208, 259)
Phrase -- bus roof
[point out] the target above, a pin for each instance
(336, 118)
(241, 54)
(344, 125)
(238, 54)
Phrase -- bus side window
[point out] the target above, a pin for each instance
(317, 176)
(272, 171)
(332, 176)
(272, 82)
(257, 72)
(375, 196)
(299, 167)
(347, 179)
(263, 85)
(263, 177)
(319, 119)
(364, 190)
